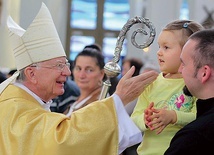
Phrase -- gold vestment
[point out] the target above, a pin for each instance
(27, 129)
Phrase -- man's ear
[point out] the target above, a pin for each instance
(30, 74)
(205, 73)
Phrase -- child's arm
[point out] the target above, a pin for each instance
(138, 114)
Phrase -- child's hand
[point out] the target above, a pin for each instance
(161, 118)
(148, 113)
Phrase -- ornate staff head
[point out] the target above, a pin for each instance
(112, 68)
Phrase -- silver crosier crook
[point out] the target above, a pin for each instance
(112, 68)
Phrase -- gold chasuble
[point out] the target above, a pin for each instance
(27, 129)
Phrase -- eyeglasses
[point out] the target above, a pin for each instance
(59, 66)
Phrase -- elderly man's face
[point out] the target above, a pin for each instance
(50, 77)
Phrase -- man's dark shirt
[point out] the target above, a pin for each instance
(197, 137)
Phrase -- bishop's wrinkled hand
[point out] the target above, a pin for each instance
(129, 88)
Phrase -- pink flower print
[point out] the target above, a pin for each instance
(180, 101)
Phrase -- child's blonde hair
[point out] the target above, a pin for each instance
(187, 28)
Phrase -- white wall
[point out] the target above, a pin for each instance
(57, 8)
(197, 11)
(6, 55)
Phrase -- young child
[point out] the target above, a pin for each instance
(163, 108)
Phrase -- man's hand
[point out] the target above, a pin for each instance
(129, 88)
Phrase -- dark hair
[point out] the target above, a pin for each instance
(12, 71)
(94, 52)
(204, 49)
(134, 62)
(2, 77)
(93, 46)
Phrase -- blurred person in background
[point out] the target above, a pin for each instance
(129, 62)
(2, 77)
(148, 66)
(126, 65)
(11, 72)
(88, 74)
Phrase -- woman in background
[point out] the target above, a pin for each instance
(88, 74)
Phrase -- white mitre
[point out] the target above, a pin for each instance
(40, 42)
